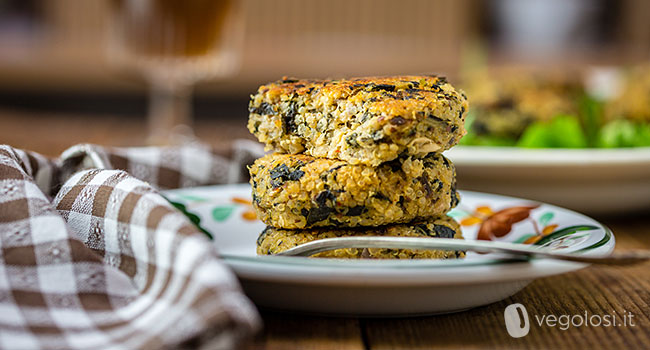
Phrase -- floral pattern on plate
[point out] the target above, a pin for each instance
(482, 217)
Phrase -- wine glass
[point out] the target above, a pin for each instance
(174, 44)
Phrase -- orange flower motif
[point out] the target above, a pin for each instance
(496, 224)
(545, 231)
(478, 216)
(499, 224)
(249, 214)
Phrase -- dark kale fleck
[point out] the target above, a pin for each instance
(299, 86)
(439, 183)
(424, 180)
(377, 135)
(324, 196)
(401, 201)
(446, 162)
(365, 117)
(323, 210)
(454, 196)
(310, 90)
(380, 196)
(424, 229)
(333, 222)
(356, 210)
(295, 175)
(454, 128)
(382, 87)
(289, 81)
(351, 140)
(316, 214)
(263, 235)
(435, 118)
(395, 164)
(393, 96)
(282, 173)
(398, 121)
(288, 121)
(447, 96)
(335, 168)
(444, 231)
(263, 109)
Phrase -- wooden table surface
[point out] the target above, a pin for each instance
(597, 290)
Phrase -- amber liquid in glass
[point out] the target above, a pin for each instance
(186, 28)
(175, 43)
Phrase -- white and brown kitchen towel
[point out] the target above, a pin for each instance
(98, 259)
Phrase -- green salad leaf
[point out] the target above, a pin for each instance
(563, 131)
(624, 133)
(585, 129)
(591, 111)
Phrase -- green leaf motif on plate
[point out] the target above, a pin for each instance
(546, 218)
(192, 198)
(523, 238)
(457, 214)
(195, 219)
(222, 213)
(564, 232)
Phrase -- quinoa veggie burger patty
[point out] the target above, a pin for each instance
(362, 121)
(300, 191)
(276, 240)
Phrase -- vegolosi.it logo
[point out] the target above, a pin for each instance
(518, 322)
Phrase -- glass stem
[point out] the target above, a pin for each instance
(170, 106)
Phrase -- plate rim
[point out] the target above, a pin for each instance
(418, 273)
(516, 156)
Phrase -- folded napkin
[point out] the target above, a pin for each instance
(93, 257)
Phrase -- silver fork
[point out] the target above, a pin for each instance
(517, 250)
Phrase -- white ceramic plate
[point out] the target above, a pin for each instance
(594, 181)
(393, 287)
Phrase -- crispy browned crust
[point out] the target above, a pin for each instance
(362, 121)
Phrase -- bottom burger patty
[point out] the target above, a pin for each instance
(275, 240)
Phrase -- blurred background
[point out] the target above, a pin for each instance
(60, 84)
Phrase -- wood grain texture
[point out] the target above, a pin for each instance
(293, 331)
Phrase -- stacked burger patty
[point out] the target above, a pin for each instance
(356, 157)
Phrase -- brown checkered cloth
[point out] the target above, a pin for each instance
(98, 259)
